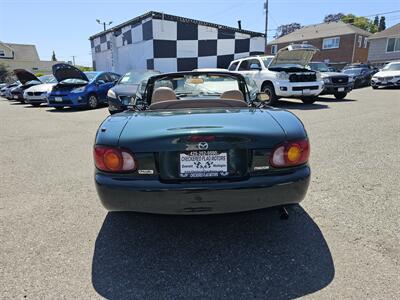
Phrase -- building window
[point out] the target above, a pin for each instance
(2, 53)
(393, 45)
(359, 41)
(365, 43)
(274, 49)
(331, 43)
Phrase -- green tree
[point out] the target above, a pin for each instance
(376, 21)
(360, 22)
(382, 24)
(84, 68)
(53, 57)
(4, 73)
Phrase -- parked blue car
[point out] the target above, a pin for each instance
(79, 89)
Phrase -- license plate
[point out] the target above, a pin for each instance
(58, 99)
(15, 97)
(203, 164)
(306, 91)
(340, 89)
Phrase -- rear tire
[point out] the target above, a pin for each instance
(93, 102)
(309, 100)
(269, 89)
(59, 107)
(375, 87)
(340, 95)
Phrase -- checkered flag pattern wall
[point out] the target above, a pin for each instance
(173, 45)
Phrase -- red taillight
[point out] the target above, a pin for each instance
(290, 154)
(111, 159)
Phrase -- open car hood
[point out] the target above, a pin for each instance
(25, 76)
(65, 71)
(298, 54)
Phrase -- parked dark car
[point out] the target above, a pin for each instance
(337, 84)
(120, 96)
(196, 144)
(27, 80)
(360, 76)
(79, 89)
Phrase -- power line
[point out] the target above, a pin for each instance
(384, 13)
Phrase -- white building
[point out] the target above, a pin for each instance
(169, 43)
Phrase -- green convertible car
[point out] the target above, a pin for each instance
(195, 143)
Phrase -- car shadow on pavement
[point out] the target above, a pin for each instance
(326, 99)
(72, 109)
(300, 105)
(246, 255)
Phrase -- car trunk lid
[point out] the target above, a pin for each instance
(216, 143)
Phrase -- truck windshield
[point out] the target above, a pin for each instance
(320, 67)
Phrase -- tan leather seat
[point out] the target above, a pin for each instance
(206, 103)
(163, 94)
(232, 94)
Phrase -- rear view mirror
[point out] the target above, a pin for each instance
(262, 97)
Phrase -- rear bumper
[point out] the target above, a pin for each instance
(153, 196)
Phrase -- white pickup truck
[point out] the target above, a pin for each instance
(283, 75)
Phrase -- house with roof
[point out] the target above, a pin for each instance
(23, 56)
(384, 46)
(169, 43)
(339, 43)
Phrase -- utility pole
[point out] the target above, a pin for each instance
(105, 24)
(266, 23)
(73, 59)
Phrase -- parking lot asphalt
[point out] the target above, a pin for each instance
(343, 241)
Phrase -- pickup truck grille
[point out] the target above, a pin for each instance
(340, 79)
(302, 77)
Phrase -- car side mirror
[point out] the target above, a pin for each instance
(262, 97)
(100, 81)
(255, 67)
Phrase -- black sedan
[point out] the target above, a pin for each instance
(360, 76)
(120, 96)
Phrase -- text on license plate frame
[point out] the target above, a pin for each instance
(209, 164)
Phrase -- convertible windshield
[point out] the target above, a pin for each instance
(198, 86)
(135, 77)
(392, 67)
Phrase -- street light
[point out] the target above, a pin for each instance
(104, 23)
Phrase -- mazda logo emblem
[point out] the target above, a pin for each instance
(202, 146)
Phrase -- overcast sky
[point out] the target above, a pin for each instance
(65, 25)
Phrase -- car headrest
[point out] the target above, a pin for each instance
(163, 94)
(232, 94)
